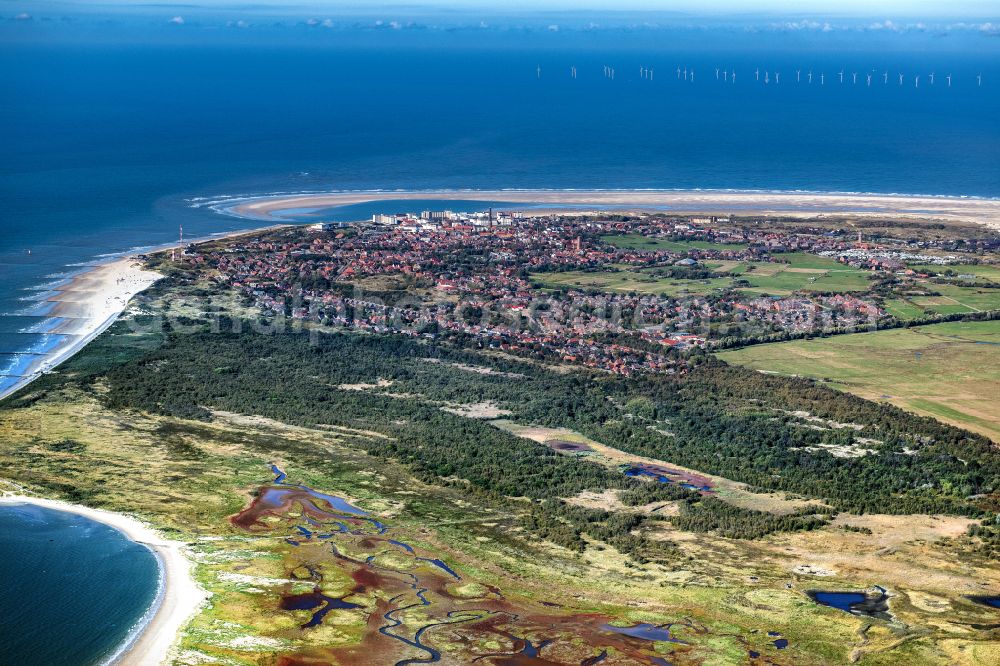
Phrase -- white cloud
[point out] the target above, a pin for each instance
(885, 25)
(23, 16)
(553, 28)
(177, 20)
(798, 25)
(803, 25)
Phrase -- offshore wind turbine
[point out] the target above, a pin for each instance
(798, 76)
(885, 80)
(855, 75)
(716, 73)
(901, 78)
(932, 78)
(822, 79)
(725, 75)
(692, 76)
(756, 73)
(539, 71)
(841, 76)
(949, 80)
(777, 77)
(733, 77)
(869, 80)
(979, 80)
(767, 78)
(810, 77)
(916, 81)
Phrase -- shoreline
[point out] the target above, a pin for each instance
(89, 304)
(178, 595)
(92, 300)
(794, 204)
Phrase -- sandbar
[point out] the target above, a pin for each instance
(793, 204)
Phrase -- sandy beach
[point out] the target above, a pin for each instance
(85, 307)
(981, 211)
(179, 596)
(92, 300)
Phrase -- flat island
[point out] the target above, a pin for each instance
(548, 436)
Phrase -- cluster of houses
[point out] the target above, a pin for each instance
(470, 275)
(880, 259)
(801, 314)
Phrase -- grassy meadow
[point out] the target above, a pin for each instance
(640, 242)
(625, 281)
(949, 371)
(797, 272)
(989, 272)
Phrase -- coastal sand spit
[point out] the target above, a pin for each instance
(793, 204)
(179, 596)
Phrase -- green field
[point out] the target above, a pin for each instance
(952, 299)
(803, 272)
(900, 308)
(640, 242)
(803, 275)
(982, 271)
(799, 271)
(950, 371)
(624, 282)
(806, 260)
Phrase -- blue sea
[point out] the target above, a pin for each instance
(51, 614)
(112, 124)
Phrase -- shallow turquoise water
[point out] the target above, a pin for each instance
(71, 589)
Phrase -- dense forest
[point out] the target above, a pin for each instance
(709, 514)
(717, 419)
